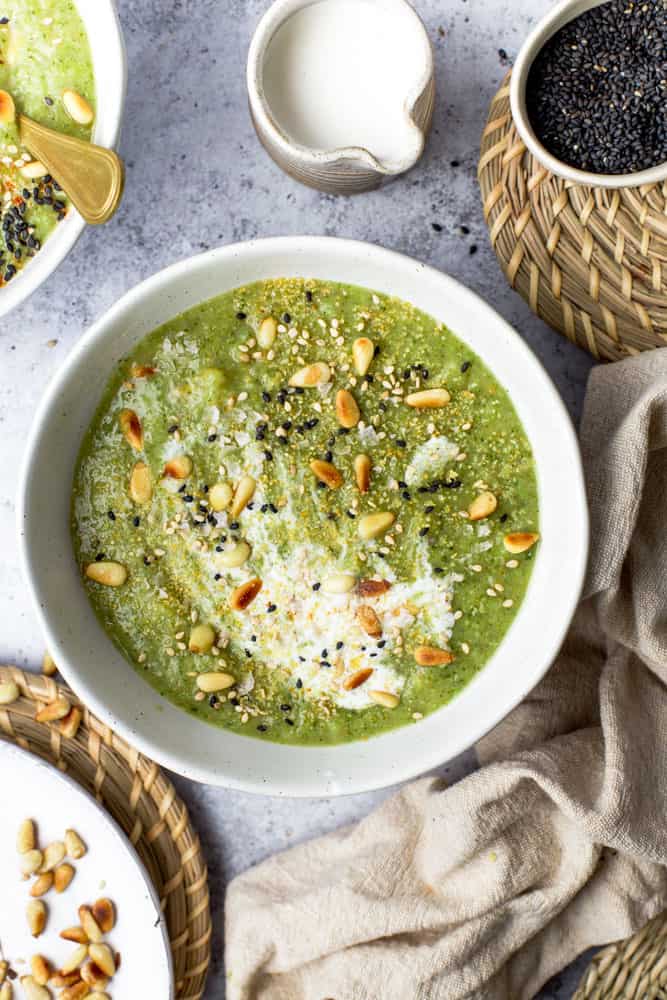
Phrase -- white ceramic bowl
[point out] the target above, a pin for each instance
(110, 67)
(563, 12)
(119, 696)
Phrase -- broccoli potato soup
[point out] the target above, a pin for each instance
(305, 512)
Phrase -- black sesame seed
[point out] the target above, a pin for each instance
(266, 396)
(271, 608)
(473, 250)
(381, 643)
(503, 518)
(100, 557)
(261, 728)
(273, 508)
(401, 442)
(287, 318)
(328, 455)
(429, 509)
(465, 366)
(111, 515)
(212, 437)
(285, 708)
(309, 296)
(136, 521)
(436, 226)
(423, 531)
(234, 526)
(172, 429)
(218, 576)
(290, 722)
(299, 683)
(188, 498)
(316, 586)
(406, 495)
(213, 701)
(339, 644)
(268, 455)
(240, 315)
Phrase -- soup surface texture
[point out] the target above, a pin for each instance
(305, 511)
(44, 54)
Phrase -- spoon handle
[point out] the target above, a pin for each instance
(91, 176)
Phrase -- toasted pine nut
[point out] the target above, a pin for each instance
(431, 656)
(36, 913)
(142, 371)
(327, 473)
(220, 496)
(141, 484)
(338, 583)
(242, 495)
(102, 955)
(235, 556)
(104, 912)
(243, 596)
(347, 410)
(78, 991)
(130, 426)
(428, 399)
(372, 525)
(9, 693)
(34, 170)
(77, 107)
(369, 621)
(69, 726)
(74, 961)
(373, 588)
(201, 638)
(214, 681)
(520, 541)
(31, 862)
(482, 506)
(357, 679)
(26, 838)
(55, 710)
(33, 990)
(63, 876)
(311, 375)
(6, 991)
(363, 351)
(75, 934)
(59, 981)
(384, 698)
(89, 924)
(53, 855)
(49, 667)
(362, 473)
(41, 969)
(109, 574)
(7, 108)
(41, 885)
(74, 845)
(4, 968)
(178, 467)
(94, 977)
(266, 334)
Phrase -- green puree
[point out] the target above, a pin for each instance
(205, 400)
(43, 51)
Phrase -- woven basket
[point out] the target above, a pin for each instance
(635, 969)
(143, 802)
(591, 262)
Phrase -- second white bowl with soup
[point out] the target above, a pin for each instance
(316, 510)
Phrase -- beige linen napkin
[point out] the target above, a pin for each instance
(486, 889)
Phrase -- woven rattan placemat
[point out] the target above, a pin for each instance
(143, 802)
(591, 262)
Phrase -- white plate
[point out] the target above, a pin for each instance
(116, 693)
(33, 789)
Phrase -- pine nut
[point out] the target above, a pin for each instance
(431, 656)
(520, 541)
(7, 108)
(141, 485)
(347, 411)
(36, 913)
(26, 838)
(267, 333)
(104, 912)
(89, 924)
(369, 621)
(6, 991)
(102, 956)
(4, 968)
(243, 495)
(94, 977)
(31, 862)
(41, 885)
(220, 496)
(235, 556)
(142, 371)
(372, 525)
(201, 639)
(214, 681)
(49, 667)
(54, 854)
(69, 726)
(78, 991)
(77, 107)
(78, 956)
(428, 399)
(109, 574)
(75, 934)
(482, 506)
(362, 473)
(131, 429)
(41, 970)
(373, 588)
(34, 170)
(338, 583)
(9, 693)
(357, 679)
(179, 467)
(243, 596)
(384, 698)
(74, 845)
(327, 473)
(33, 990)
(54, 711)
(363, 352)
(311, 376)
(62, 877)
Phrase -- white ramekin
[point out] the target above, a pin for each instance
(110, 67)
(121, 697)
(540, 35)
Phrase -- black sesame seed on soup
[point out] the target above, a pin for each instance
(597, 92)
(324, 512)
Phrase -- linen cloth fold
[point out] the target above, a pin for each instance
(559, 842)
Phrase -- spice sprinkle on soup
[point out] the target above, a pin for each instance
(305, 511)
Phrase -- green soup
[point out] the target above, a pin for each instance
(44, 53)
(305, 512)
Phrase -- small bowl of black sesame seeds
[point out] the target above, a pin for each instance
(589, 92)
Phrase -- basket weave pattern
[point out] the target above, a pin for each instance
(143, 802)
(591, 262)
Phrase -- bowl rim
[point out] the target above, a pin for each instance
(293, 784)
(265, 122)
(546, 27)
(51, 256)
